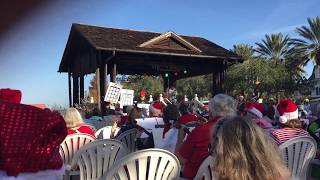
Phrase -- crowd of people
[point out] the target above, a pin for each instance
(241, 136)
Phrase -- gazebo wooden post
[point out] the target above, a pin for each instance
(81, 88)
(218, 82)
(166, 82)
(75, 91)
(102, 82)
(70, 89)
(98, 88)
(113, 73)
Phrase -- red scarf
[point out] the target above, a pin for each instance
(166, 128)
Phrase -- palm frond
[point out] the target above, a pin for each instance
(309, 46)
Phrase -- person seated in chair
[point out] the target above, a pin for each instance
(289, 118)
(242, 151)
(194, 149)
(30, 140)
(186, 116)
(76, 124)
(255, 112)
(155, 109)
(170, 131)
(131, 123)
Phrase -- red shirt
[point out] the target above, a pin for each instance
(82, 129)
(184, 119)
(195, 148)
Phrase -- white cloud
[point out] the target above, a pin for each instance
(261, 33)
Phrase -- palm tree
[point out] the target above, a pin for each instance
(244, 50)
(275, 47)
(309, 46)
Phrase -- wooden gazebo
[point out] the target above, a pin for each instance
(104, 51)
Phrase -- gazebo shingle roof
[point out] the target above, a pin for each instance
(120, 39)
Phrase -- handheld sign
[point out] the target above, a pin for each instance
(113, 92)
(126, 97)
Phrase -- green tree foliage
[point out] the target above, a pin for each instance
(150, 84)
(245, 77)
(275, 47)
(93, 91)
(309, 46)
(244, 50)
(201, 85)
(285, 77)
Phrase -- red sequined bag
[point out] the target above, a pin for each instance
(29, 138)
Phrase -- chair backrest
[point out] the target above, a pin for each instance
(105, 132)
(297, 153)
(71, 144)
(129, 139)
(205, 170)
(97, 157)
(155, 164)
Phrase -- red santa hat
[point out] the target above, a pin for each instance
(10, 95)
(287, 111)
(142, 93)
(156, 107)
(255, 108)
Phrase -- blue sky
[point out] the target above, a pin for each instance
(31, 52)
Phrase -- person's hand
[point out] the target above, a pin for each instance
(201, 119)
(113, 129)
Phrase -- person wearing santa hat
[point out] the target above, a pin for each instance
(30, 140)
(155, 109)
(289, 118)
(255, 112)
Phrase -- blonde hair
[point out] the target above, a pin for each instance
(73, 118)
(223, 105)
(242, 151)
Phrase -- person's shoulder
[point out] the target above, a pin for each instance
(86, 129)
(203, 126)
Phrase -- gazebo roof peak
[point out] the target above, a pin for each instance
(168, 35)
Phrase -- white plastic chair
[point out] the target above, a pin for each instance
(148, 164)
(105, 132)
(71, 144)
(97, 157)
(205, 170)
(129, 139)
(297, 153)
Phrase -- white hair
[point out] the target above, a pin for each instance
(222, 105)
(73, 118)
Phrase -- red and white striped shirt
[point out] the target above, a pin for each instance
(285, 134)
